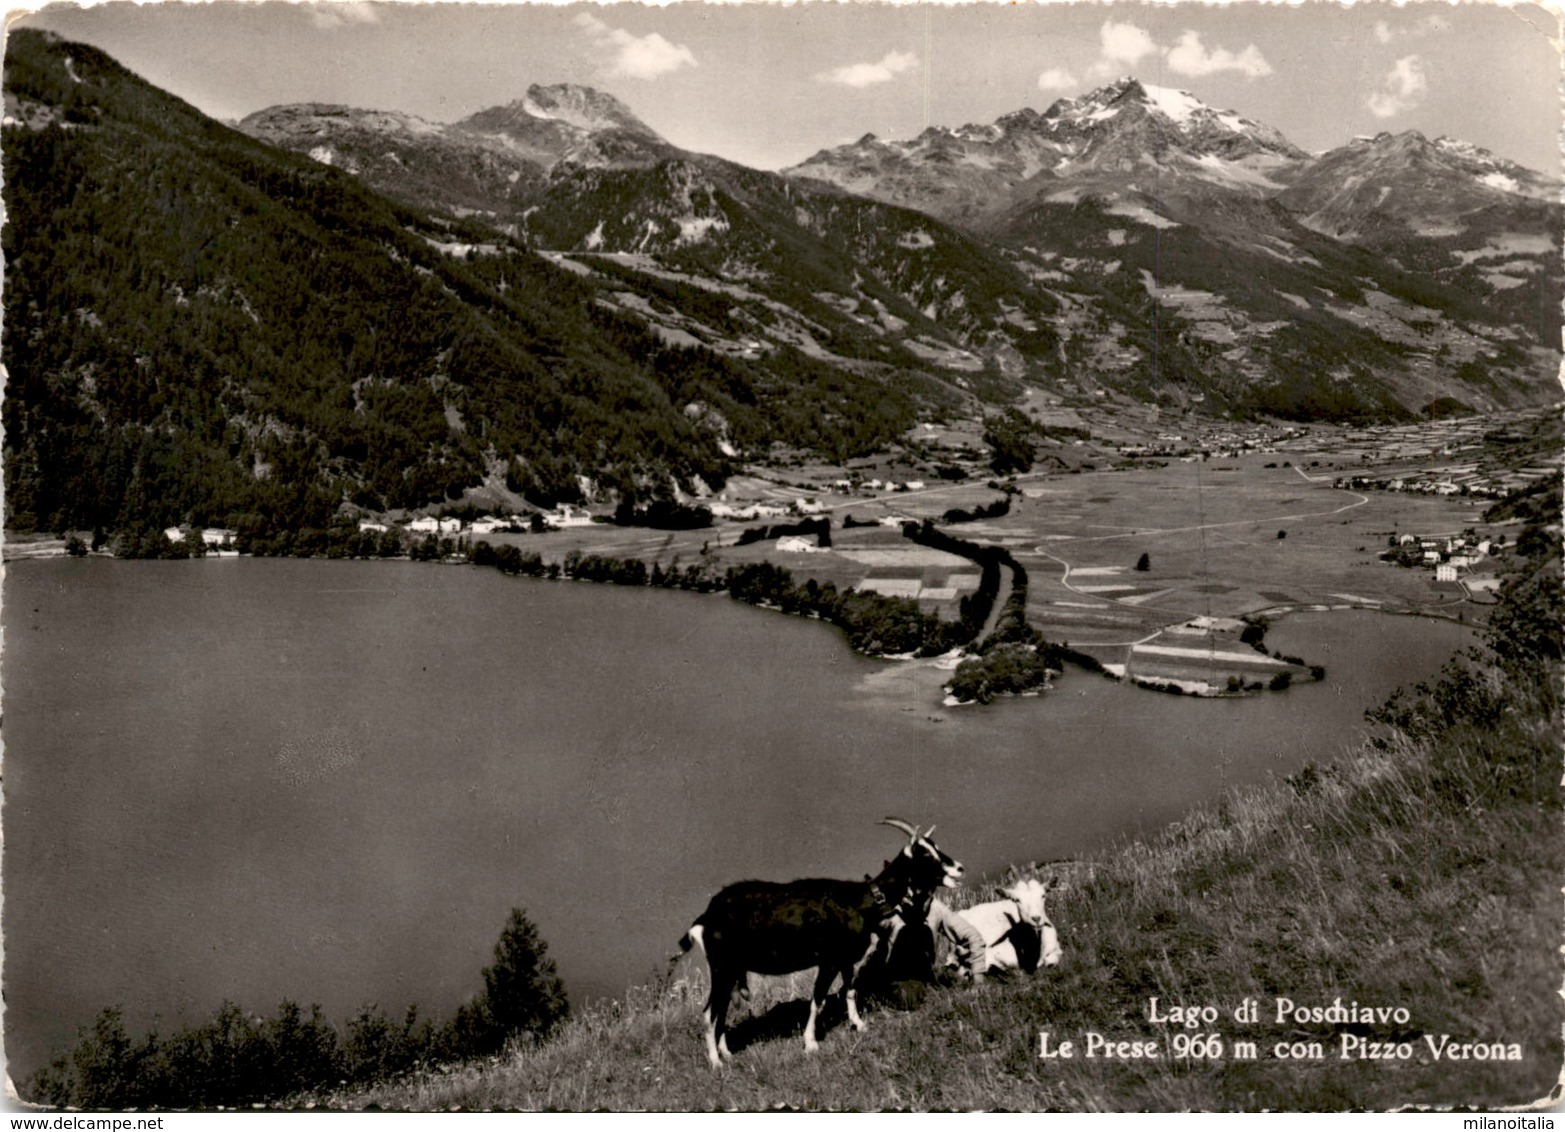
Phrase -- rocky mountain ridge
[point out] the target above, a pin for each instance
(1132, 241)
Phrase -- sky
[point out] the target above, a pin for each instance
(769, 84)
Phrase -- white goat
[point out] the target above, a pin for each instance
(1017, 931)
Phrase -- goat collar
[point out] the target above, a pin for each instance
(913, 906)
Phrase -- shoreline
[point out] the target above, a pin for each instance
(945, 663)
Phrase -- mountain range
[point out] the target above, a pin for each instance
(328, 304)
(1167, 250)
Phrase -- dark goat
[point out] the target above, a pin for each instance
(835, 925)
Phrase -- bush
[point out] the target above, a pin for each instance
(995, 510)
(1007, 669)
(662, 515)
(238, 1058)
(819, 527)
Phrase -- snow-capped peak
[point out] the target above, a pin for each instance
(580, 106)
(1180, 105)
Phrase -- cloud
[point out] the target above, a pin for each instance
(868, 74)
(327, 16)
(1123, 46)
(1427, 25)
(1124, 43)
(1056, 78)
(1190, 57)
(648, 56)
(1401, 90)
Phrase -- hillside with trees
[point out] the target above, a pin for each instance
(204, 329)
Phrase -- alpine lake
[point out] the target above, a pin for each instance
(268, 779)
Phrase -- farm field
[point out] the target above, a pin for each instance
(1222, 538)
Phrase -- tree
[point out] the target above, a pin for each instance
(1144, 563)
(1010, 437)
(523, 994)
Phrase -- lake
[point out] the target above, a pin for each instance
(262, 779)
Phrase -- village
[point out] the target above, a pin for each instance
(1227, 519)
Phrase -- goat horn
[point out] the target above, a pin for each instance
(898, 823)
(930, 832)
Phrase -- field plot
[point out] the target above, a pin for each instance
(1114, 558)
(1219, 542)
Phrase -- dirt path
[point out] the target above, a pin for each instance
(992, 622)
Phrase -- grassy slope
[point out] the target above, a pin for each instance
(1421, 874)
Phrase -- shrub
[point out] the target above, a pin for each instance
(237, 1058)
(1007, 669)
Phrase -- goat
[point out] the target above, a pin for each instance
(833, 925)
(1017, 931)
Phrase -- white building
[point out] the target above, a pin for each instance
(568, 516)
(1445, 572)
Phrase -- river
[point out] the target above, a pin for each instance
(262, 779)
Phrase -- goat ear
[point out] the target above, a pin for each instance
(1014, 891)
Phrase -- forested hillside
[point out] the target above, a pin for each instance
(202, 328)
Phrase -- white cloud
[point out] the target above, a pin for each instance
(1402, 89)
(1056, 78)
(1190, 57)
(648, 56)
(1124, 43)
(1123, 46)
(326, 16)
(1427, 25)
(868, 74)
